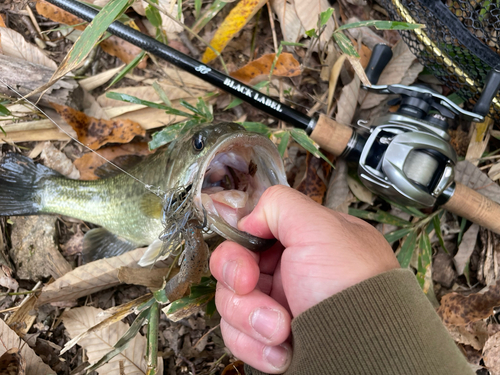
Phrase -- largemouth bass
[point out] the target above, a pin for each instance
(222, 168)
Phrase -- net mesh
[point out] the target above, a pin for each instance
(453, 64)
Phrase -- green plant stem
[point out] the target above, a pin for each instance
(152, 350)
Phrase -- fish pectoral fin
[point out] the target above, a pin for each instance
(100, 243)
(151, 205)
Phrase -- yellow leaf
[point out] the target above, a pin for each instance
(234, 22)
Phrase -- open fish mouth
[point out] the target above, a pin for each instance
(235, 175)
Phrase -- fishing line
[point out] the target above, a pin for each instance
(155, 190)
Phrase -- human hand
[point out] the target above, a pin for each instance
(321, 252)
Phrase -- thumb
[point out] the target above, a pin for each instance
(286, 214)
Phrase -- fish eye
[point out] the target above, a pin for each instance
(198, 142)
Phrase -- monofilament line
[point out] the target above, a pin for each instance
(157, 191)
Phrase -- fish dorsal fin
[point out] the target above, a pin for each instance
(151, 205)
(100, 243)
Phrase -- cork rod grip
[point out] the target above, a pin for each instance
(475, 207)
(330, 135)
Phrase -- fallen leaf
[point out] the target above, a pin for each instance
(100, 79)
(359, 191)
(2, 21)
(153, 279)
(233, 23)
(338, 196)
(167, 24)
(286, 66)
(94, 132)
(6, 279)
(308, 13)
(58, 161)
(466, 248)
(474, 334)
(12, 363)
(14, 45)
(479, 140)
(359, 70)
(89, 278)
(457, 309)
(348, 102)
(130, 361)
(235, 368)
(369, 37)
(491, 354)
(333, 79)
(89, 162)
(23, 318)
(394, 72)
(56, 14)
(313, 183)
(471, 176)
(290, 24)
(34, 365)
(124, 50)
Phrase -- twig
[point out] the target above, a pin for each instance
(206, 334)
(189, 363)
(35, 24)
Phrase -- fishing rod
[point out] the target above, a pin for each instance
(406, 157)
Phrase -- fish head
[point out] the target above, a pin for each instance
(227, 169)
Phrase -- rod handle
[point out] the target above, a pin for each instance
(331, 135)
(469, 204)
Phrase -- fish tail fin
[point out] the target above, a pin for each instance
(20, 178)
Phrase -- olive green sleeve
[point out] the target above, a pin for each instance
(384, 325)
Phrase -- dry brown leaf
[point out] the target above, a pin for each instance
(364, 54)
(24, 317)
(334, 77)
(479, 140)
(314, 182)
(359, 191)
(308, 13)
(360, 71)
(12, 363)
(474, 334)
(124, 50)
(290, 24)
(458, 309)
(58, 161)
(89, 162)
(130, 361)
(235, 368)
(2, 21)
(466, 248)
(348, 101)
(94, 132)
(286, 66)
(100, 79)
(394, 72)
(89, 278)
(491, 354)
(471, 176)
(153, 279)
(56, 14)
(14, 44)
(338, 196)
(494, 172)
(34, 365)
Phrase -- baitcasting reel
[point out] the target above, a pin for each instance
(407, 156)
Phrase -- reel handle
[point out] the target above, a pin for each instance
(381, 55)
(331, 135)
(490, 90)
(468, 203)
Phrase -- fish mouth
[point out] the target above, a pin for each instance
(235, 175)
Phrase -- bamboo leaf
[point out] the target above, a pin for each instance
(301, 137)
(437, 228)
(256, 127)
(345, 44)
(424, 263)
(4, 111)
(284, 143)
(382, 25)
(132, 99)
(131, 65)
(162, 94)
(325, 16)
(379, 216)
(407, 249)
(397, 234)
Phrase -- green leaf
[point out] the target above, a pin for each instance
(256, 127)
(131, 65)
(132, 99)
(153, 15)
(161, 296)
(409, 210)
(379, 216)
(325, 16)
(345, 44)
(3, 131)
(200, 294)
(123, 342)
(424, 260)
(312, 33)
(292, 44)
(406, 252)
(210, 13)
(4, 111)
(284, 143)
(301, 137)
(437, 228)
(95, 30)
(382, 25)
(164, 136)
(397, 234)
(162, 94)
(463, 223)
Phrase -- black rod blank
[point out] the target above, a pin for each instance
(240, 90)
